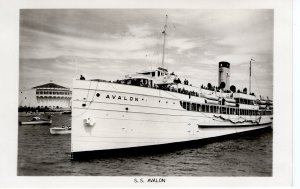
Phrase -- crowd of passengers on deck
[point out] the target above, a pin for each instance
(167, 87)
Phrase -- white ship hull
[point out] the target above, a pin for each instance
(124, 116)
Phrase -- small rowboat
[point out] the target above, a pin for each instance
(60, 130)
(36, 121)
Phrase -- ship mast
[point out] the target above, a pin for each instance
(164, 44)
(250, 76)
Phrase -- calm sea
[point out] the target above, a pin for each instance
(41, 154)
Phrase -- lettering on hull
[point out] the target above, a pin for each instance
(121, 97)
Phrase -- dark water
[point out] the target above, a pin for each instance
(40, 154)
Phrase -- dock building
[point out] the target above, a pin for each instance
(49, 95)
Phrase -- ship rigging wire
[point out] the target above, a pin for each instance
(90, 102)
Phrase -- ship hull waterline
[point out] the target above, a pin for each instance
(161, 148)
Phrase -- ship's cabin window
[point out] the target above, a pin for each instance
(184, 105)
(153, 74)
(210, 108)
(188, 106)
(206, 108)
(194, 107)
(146, 73)
(198, 107)
(203, 108)
(223, 110)
(139, 82)
(265, 112)
(158, 73)
(245, 101)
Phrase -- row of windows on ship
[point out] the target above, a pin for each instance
(221, 109)
(53, 93)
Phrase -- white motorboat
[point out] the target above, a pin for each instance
(60, 130)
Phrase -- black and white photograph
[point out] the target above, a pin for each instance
(149, 94)
(94, 83)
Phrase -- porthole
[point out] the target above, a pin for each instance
(83, 105)
(98, 94)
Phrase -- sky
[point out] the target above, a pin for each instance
(58, 45)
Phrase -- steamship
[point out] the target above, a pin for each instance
(155, 107)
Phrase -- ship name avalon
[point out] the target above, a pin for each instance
(154, 108)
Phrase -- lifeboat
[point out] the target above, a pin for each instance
(211, 101)
(262, 106)
(230, 100)
(210, 97)
(230, 104)
(261, 101)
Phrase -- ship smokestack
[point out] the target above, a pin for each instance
(224, 74)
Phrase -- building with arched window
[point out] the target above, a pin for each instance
(49, 95)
